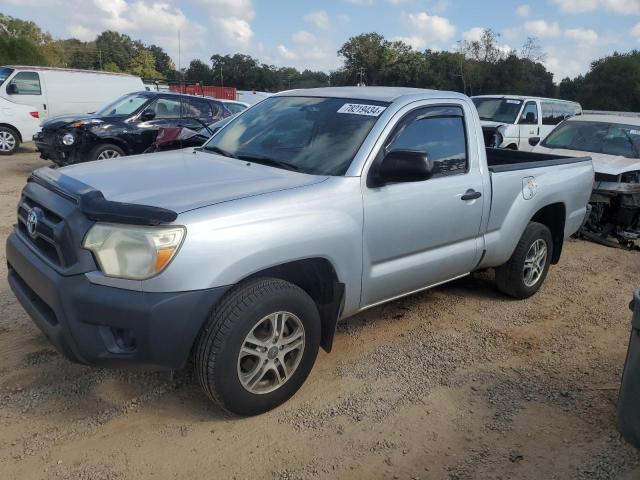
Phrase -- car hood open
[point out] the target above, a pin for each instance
(607, 164)
(182, 180)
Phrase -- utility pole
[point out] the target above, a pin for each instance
(100, 57)
(221, 77)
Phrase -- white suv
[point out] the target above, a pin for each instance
(519, 123)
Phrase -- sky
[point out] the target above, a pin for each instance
(307, 34)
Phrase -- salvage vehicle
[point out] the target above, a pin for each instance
(174, 138)
(510, 121)
(614, 144)
(48, 92)
(16, 122)
(127, 126)
(309, 207)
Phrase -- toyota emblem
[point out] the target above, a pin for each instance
(32, 222)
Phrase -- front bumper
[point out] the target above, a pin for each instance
(105, 326)
(51, 149)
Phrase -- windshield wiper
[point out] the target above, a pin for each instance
(219, 151)
(268, 161)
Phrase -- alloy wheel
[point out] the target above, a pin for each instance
(534, 262)
(271, 352)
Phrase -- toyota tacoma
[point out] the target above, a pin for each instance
(304, 210)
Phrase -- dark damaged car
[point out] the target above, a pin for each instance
(127, 126)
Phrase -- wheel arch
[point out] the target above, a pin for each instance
(553, 216)
(14, 129)
(114, 141)
(319, 279)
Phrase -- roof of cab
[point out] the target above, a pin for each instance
(617, 119)
(524, 97)
(71, 70)
(380, 94)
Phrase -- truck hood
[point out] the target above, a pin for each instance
(183, 180)
(608, 164)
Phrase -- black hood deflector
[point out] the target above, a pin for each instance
(93, 204)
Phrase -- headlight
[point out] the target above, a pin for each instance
(496, 140)
(68, 139)
(133, 252)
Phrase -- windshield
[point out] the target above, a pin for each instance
(311, 135)
(5, 73)
(123, 106)
(596, 137)
(501, 110)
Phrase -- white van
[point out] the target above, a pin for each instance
(51, 92)
(519, 123)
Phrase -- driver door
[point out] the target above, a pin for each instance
(528, 125)
(165, 112)
(420, 233)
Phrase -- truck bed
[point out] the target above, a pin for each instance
(505, 160)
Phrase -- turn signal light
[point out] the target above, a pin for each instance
(35, 114)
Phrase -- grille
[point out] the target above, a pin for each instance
(48, 232)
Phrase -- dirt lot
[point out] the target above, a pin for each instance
(458, 382)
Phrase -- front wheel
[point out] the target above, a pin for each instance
(526, 270)
(106, 151)
(259, 346)
(9, 141)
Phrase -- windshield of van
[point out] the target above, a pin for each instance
(5, 73)
(596, 137)
(501, 110)
(123, 106)
(312, 135)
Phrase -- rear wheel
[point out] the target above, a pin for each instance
(9, 141)
(106, 151)
(526, 270)
(259, 346)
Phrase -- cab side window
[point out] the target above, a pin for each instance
(194, 108)
(440, 133)
(166, 108)
(548, 117)
(529, 114)
(25, 83)
(235, 107)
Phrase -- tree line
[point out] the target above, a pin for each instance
(475, 67)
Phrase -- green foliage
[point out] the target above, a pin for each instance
(18, 51)
(612, 84)
(199, 72)
(144, 65)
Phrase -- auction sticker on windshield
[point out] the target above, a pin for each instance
(361, 109)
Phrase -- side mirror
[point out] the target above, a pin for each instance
(147, 115)
(12, 89)
(404, 166)
(533, 141)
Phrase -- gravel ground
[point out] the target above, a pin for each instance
(457, 383)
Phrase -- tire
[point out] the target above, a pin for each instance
(246, 313)
(513, 278)
(9, 141)
(106, 151)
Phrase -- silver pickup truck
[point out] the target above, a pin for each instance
(307, 208)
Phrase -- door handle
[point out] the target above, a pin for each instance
(471, 194)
